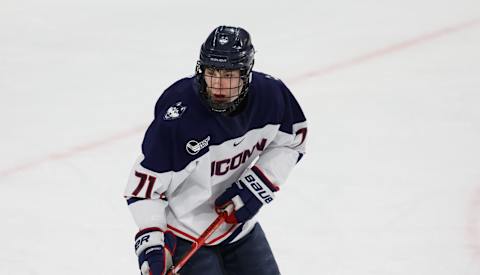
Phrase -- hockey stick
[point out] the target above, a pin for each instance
(200, 241)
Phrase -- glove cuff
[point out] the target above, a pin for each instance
(259, 185)
(148, 237)
(272, 186)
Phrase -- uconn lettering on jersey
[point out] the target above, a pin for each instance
(221, 167)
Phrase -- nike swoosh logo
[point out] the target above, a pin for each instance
(237, 143)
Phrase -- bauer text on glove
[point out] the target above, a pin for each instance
(248, 194)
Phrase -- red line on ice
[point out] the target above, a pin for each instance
(426, 37)
(72, 151)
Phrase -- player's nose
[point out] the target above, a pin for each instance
(217, 81)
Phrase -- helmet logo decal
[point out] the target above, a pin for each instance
(175, 111)
(193, 146)
(223, 40)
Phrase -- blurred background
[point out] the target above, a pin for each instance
(391, 180)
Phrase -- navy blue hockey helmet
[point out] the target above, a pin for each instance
(226, 48)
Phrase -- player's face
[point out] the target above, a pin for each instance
(223, 86)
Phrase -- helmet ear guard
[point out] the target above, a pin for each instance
(226, 48)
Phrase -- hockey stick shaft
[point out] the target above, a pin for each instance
(199, 243)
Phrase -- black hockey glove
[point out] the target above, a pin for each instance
(248, 194)
(155, 249)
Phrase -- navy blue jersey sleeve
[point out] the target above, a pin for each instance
(158, 147)
(175, 128)
(293, 114)
(161, 145)
(288, 146)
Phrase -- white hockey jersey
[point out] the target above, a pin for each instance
(190, 155)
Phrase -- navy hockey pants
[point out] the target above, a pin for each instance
(250, 255)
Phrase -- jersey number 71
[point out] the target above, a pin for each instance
(143, 179)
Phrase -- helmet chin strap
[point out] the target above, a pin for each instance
(225, 107)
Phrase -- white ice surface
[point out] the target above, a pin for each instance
(391, 181)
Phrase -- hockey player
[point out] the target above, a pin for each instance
(227, 137)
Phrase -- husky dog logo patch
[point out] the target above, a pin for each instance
(175, 111)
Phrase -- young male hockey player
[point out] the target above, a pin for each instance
(228, 136)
